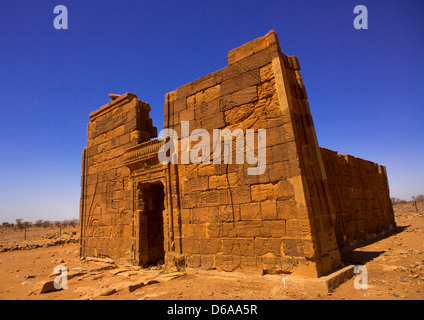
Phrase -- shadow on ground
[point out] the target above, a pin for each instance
(350, 256)
(360, 257)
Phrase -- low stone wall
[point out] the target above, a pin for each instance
(361, 197)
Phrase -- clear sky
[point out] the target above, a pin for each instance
(365, 87)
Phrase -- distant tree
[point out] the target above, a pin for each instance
(46, 223)
(7, 225)
(419, 198)
(397, 201)
(38, 223)
(26, 224)
(19, 223)
(65, 223)
(73, 222)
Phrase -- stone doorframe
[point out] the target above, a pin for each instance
(143, 162)
(141, 230)
(139, 222)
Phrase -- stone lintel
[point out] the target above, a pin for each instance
(143, 151)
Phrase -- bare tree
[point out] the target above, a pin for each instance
(419, 198)
(7, 225)
(19, 223)
(397, 201)
(66, 223)
(26, 224)
(73, 223)
(39, 223)
(46, 223)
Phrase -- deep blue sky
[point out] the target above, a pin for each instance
(365, 87)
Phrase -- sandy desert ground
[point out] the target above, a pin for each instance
(395, 267)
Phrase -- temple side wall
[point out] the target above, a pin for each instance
(361, 197)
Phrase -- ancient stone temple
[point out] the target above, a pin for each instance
(305, 206)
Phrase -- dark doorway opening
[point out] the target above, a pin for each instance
(153, 196)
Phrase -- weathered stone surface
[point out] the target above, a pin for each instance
(169, 276)
(361, 197)
(47, 286)
(105, 292)
(135, 286)
(292, 218)
(102, 268)
(101, 260)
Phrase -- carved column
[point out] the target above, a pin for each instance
(140, 227)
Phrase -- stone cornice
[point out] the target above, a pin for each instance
(119, 101)
(143, 151)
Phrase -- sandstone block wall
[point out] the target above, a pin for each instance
(279, 221)
(292, 218)
(361, 196)
(106, 209)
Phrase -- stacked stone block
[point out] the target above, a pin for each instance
(361, 196)
(106, 211)
(292, 218)
(258, 223)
